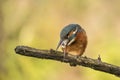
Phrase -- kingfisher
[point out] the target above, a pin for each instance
(73, 40)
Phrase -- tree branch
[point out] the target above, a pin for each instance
(95, 64)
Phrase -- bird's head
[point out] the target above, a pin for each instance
(68, 35)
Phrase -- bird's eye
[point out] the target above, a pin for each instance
(66, 37)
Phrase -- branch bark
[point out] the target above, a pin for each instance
(95, 64)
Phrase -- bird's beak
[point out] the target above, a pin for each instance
(60, 42)
(64, 43)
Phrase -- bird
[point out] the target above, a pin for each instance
(73, 40)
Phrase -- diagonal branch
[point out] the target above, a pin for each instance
(95, 64)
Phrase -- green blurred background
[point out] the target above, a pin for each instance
(37, 23)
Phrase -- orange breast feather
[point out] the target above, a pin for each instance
(78, 47)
